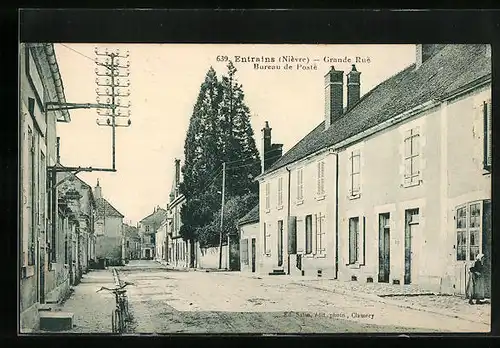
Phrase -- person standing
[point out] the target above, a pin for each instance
(475, 287)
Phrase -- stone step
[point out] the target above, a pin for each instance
(56, 321)
(277, 272)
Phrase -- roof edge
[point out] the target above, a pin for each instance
(56, 76)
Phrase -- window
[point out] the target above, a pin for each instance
(353, 240)
(468, 225)
(128, 244)
(147, 228)
(280, 192)
(267, 240)
(411, 156)
(31, 197)
(321, 178)
(320, 234)
(354, 172)
(487, 134)
(300, 185)
(31, 106)
(268, 189)
(244, 251)
(309, 234)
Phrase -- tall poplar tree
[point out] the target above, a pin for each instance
(219, 131)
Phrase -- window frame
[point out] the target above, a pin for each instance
(354, 259)
(354, 192)
(320, 172)
(468, 230)
(280, 193)
(412, 136)
(320, 235)
(300, 185)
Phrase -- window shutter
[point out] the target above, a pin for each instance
(292, 235)
(487, 133)
(362, 236)
(318, 189)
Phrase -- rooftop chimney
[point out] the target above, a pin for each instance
(177, 175)
(265, 146)
(97, 191)
(424, 52)
(353, 87)
(334, 96)
(270, 152)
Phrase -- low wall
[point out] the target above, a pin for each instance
(209, 257)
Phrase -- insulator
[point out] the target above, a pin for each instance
(117, 81)
(108, 100)
(95, 50)
(97, 99)
(129, 103)
(117, 61)
(97, 120)
(108, 121)
(128, 53)
(118, 101)
(129, 122)
(117, 91)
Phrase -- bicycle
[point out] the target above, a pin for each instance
(121, 313)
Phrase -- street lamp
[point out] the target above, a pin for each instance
(112, 90)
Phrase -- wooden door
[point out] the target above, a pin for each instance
(280, 243)
(253, 254)
(384, 248)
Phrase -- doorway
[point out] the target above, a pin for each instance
(411, 245)
(253, 254)
(147, 254)
(384, 261)
(280, 243)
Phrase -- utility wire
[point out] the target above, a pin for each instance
(80, 53)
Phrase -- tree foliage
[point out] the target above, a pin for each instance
(219, 131)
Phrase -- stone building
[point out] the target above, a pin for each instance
(42, 269)
(394, 188)
(108, 230)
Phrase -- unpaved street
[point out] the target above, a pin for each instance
(169, 301)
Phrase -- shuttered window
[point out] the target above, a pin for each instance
(355, 173)
(300, 185)
(268, 189)
(320, 234)
(411, 156)
(280, 192)
(321, 178)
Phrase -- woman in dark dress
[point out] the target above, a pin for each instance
(475, 288)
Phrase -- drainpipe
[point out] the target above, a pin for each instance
(288, 218)
(336, 214)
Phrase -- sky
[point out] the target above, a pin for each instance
(165, 81)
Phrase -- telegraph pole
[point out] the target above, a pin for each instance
(222, 213)
(116, 76)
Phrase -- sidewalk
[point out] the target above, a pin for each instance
(404, 296)
(92, 311)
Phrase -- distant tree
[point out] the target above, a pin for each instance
(219, 131)
(238, 141)
(234, 209)
(201, 156)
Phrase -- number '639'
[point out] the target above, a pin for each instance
(222, 58)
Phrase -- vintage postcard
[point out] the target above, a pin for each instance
(254, 188)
